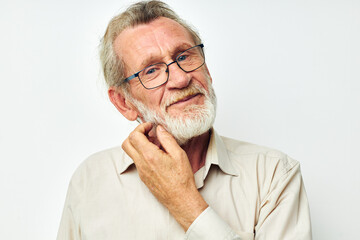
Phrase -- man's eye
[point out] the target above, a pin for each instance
(182, 58)
(150, 71)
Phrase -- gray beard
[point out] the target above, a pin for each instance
(194, 121)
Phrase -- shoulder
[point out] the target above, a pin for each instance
(262, 167)
(96, 165)
(249, 155)
(101, 160)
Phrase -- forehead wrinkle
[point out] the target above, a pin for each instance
(163, 49)
(152, 59)
(173, 53)
(152, 41)
(155, 48)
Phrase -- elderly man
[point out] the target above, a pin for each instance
(174, 177)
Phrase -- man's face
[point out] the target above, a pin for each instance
(185, 95)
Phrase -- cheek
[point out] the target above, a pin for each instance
(203, 78)
(150, 97)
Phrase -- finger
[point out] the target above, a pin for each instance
(167, 141)
(153, 138)
(152, 132)
(131, 151)
(140, 133)
(128, 146)
(139, 140)
(155, 141)
(144, 128)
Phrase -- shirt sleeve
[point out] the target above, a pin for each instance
(209, 226)
(284, 212)
(69, 225)
(68, 229)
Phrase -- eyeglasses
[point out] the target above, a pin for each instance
(157, 74)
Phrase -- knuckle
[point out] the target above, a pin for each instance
(183, 154)
(125, 144)
(149, 156)
(132, 136)
(180, 153)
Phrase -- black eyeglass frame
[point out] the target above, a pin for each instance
(167, 68)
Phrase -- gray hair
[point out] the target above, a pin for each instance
(139, 13)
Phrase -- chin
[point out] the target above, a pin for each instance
(193, 122)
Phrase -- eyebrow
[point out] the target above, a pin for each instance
(179, 49)
(152, 59)
(149, 60)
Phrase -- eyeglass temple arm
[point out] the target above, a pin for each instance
(131, 77)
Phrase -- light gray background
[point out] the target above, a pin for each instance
(286, 74)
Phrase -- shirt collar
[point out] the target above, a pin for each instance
(216, 154)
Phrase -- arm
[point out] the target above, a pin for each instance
(68, 229)
(284, 211)
(167, 173)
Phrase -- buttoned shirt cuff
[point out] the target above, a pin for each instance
(208, 225)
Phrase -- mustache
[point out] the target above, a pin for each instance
(191, 90)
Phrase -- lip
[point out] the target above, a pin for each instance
(185, 99)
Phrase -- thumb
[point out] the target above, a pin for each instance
(167, 141)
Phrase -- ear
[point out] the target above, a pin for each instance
(122, 105)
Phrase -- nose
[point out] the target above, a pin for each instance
(177, 77)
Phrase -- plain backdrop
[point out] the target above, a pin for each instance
(286, 74)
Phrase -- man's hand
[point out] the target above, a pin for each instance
(166, 171)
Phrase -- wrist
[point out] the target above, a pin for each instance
(188, 208)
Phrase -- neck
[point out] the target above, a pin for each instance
(196, 149)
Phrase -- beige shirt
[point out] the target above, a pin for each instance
(253, 193)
